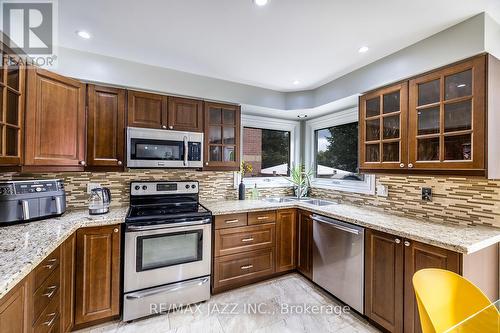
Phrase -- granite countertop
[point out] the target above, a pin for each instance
(459, 238)
(24, 246)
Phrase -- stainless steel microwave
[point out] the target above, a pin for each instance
(152, 148)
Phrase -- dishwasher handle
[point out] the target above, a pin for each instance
(335, 225)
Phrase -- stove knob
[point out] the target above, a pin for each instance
(38, 189)
(193, 186)
(137, 187)
(187, 186)
(144, 187)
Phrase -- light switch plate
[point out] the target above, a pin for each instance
(91, 186)
(382, 191)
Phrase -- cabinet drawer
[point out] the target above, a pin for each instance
(237, 240)
(261, 217)
(46, 293)
(49, 320)
(235, 269)
(47, 266)
(230, 221)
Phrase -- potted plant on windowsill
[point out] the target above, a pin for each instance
(301, 179)
(245, 168)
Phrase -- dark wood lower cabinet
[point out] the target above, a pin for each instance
(286, 240)
(390, 263)
(384, 280)
(12, 310)
(304, 244)
(419, 256)
(97, 288)
(68, 251)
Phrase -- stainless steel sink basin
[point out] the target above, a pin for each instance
(319, 202)
(279, 199)
(314, 202)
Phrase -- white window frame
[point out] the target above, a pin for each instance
(270, 124)
(338, 118)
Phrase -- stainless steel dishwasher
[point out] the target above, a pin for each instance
(338, 259)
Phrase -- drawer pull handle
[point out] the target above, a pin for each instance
(51, 321)
(232, 221)
(262, 217)
(50, 291)
(246, 267)
(51, 263)
(249, 239)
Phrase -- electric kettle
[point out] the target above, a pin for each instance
(99, 201)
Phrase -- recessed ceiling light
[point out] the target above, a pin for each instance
(296, 82)
(302, 116)
(260, 3)
(83, 34)
(363, 49)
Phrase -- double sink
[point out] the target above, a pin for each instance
(314, 202)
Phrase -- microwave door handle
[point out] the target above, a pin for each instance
(186, 147)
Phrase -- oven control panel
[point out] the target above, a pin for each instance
(168, 187)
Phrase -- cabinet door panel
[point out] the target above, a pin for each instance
(185, 114)
(106, 126)
(68, 252)
(384, 280)
(304, 246)
(97, 288)
(286, 240)
(12, 310)
(147, 110)
(383, 128)
(419, 256)
(55, 120)
(447, 118)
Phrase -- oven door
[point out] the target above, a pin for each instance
(150, 148)
(164, 255)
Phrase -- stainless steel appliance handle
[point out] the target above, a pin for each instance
(167, 289)
(186, 148)
(337, 226)
(172, 225)
(26, 209)
(58, 205)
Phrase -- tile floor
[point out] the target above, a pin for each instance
(259, 308)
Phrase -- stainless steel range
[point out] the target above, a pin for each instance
(167, 248)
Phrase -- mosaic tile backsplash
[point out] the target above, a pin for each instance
(454, 199)
(461, 200)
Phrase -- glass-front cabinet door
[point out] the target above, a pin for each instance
(383, 125)
(222, 137)
(447, 118)
(12, 88)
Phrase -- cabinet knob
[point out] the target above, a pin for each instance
(410, 165)
(402, 165)
(206, 163)
(397, 240)
(164, 127)
(171, 127)
(115, 230)
(119, 163)
(407, 243)
(82, 163)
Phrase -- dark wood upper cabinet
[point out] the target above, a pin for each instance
(419, 256)
(12, 95)
(105, 127)
(185, 114)
(304, 244)
(97, 289)
(286, 240)
(222, 137)
(55, 122)
(384, 262)
(383, 128)
(447, 118)
(147, 110)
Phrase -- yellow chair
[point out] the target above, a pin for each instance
(446, 299)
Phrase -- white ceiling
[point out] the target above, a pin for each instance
(313, 41)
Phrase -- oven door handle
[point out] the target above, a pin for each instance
(172, 225)
(167, 289)
(186, 148)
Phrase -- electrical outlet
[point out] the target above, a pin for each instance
(426, 194)
(382, 191)
(91, 186)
